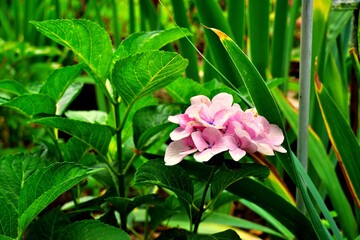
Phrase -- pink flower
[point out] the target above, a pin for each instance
(209, 127)
(177, 150)
(209, 143)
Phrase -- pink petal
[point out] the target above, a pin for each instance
(179, 133)
(212, 135)
(224, 98)
(199, 100)
(199, 141)
(265, 149)
(176, 151)
(279, 149)
(237, 154)
(275, 135)
(203, 156)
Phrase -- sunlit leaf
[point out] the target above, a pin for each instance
(138, 75)
(12, 86)
(32, 104)
(145, 41)
(94, 135)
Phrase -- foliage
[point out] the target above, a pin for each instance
(77, 166)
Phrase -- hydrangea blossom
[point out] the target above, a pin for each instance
(209, 127)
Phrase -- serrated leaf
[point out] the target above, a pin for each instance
(90, 43)
(343, 140)
(92, 230)
(149, 122)
(47, 227)
(145, 41)
(173, 178)
(223, 178)
(94, 135)
(12, 86)
(183, 89)
(32, 104)
(125, 205)
(59, 80)
(74, 150)
(138, 75)
(45, 185)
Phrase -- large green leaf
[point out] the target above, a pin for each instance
(69, 95)
(32, 104)
(225, 235)
(140, 74)
(12, 86)
(323, 166)
(27, 186)
(94, 135)
(225, 177)
(145, 41)
(173, 178)
(92, 230)
(59, 80)
(90, 43)
(343, 140)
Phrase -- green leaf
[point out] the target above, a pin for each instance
(27, 186)
(145, 41)
(59, 80)
(173, 178)
(92, 230)
(45, 186)
(138, 75)
(32, 104)
(224, 177)
(74, 150)
(92, 116)
(48, 226)
(90, 43)
(183, 89)
(125, 205)
(70, 94)
(323, 167)
(12, 86)
(343, 140)
(150, 122)
(94, 135)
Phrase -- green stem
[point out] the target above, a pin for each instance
(128, 165)
(54, 139)
(116, 25)
(119, 161)
(201, 208)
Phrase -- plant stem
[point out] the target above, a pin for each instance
(116, 25)
(201, 208)
(304, 96)
(119, 160)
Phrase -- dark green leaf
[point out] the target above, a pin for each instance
(224, 178)
(92, 230)
(126, 205)
(173, 178)
(94, 135)
(32, 104)
(150, 122)
(138, 75)
(12, 86)
(145, 41)
(226, 235)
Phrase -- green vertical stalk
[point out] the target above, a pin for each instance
(236, 19)
(259, 34)
(121, 179)
(304, 94)
(186, 48)
(202, 203)
(116, 25)
(278, 50)
(132, 16)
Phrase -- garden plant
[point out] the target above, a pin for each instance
(165, 119)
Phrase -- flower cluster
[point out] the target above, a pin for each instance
(209, 127)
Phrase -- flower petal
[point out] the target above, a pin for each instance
(199, 141)
(177, 150)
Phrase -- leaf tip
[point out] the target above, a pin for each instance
(219, 33)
